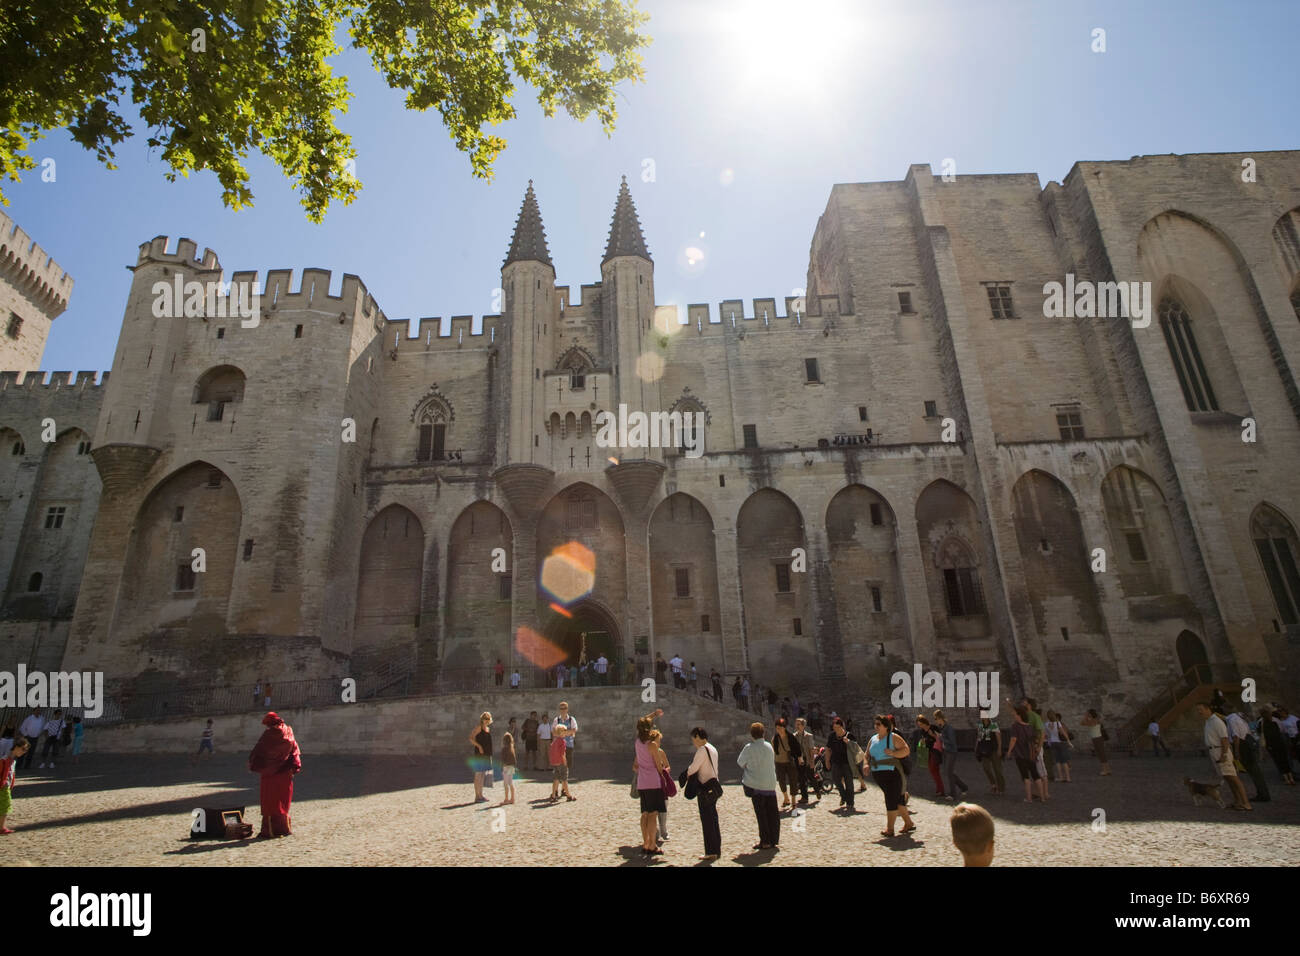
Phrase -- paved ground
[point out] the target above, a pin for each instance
(112, 811)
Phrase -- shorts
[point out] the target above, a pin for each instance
(560, 772)
(1028, 768)
(1061, 751)
(6, 801)
(204, 744)
(652, 801)
(892, 785)
(507, 773)
(1225, 768)
(530, 746)
(480, 764)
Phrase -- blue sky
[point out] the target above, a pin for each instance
(750, 111)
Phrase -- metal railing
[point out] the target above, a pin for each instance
(1196, 676)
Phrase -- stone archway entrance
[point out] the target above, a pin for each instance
(1191, 653)
(588, 633)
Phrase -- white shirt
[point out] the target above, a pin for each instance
(1153, 729)
(1215, 733)
(54, 726)
(31, 727)
(514, 679)
(704, 763)
(602, 664)
(676, 665)
(544, 730)
(1238, 727)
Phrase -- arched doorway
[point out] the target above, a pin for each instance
(1191, 653)
(583, 633)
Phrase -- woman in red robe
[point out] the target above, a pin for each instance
(277, 758)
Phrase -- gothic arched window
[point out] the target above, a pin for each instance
(1275, 540)
(961, 581)
(1176, 325)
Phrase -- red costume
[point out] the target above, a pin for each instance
(277, 758)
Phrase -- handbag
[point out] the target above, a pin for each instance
(670, 788)
(636, 791)
(690, 785)
(711, 790)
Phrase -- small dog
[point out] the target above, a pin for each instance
(1198, 790)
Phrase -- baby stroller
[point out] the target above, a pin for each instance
(821, 772)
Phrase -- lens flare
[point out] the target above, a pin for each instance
(569, 572)
(727, 176)
(650, 367)
(536, 649)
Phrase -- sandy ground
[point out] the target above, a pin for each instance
(348, 811)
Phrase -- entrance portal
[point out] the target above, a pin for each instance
(590, 632)
(1191, 653)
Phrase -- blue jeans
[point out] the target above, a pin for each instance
(952, 784)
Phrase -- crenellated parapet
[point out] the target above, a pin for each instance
(731, 318)
(14, 383)
(29, 269)
(429, 338)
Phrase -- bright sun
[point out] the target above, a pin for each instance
(791, 47)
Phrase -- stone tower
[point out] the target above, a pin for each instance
(528, 279)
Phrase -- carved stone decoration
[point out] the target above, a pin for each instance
(433, 408)
(635, 482)
(689, 399)
(523, 485)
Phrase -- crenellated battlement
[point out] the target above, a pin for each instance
(730, 317)
(27, 267)
(429, 336)
(185, 253)
(14, 382)
(313, 292)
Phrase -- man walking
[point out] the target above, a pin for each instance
(544, 738)
(837, 747)
(1245, 747)
(53, 733)
(530, 740)
(31, 729)
(1157, 744)
(1219, 748)
(570, 723)
(807, 743)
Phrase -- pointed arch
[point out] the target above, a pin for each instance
(389, 577)
(1278, 549)
(952, 538)
(196, 506)
(684, 579)
(479, 585)
(780, 634)
(1059, 581)
(862, 532)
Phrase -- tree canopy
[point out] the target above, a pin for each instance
(214, 79)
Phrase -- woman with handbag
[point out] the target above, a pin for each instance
(703, 785)
(759, 780)
(481, 762)
(787, 752)
(988, 751)
(648, 766)
(885, 751)
(934, 748)
(1058, 738)
(1099, 737)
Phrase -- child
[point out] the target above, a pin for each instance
(78, 733)
(6, 741)
(205, 741)
(7, 781)
(972, 834)
(658, 738)
(508, 767)
(559, 768)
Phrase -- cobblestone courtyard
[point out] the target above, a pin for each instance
(130, 810)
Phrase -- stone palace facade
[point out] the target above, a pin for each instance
(916, 462)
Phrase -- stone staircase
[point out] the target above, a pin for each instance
(442, 724)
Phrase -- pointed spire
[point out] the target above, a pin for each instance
(529, 241)
(625, 237)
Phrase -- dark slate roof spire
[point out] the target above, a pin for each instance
(625, 237)
(529, 241)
